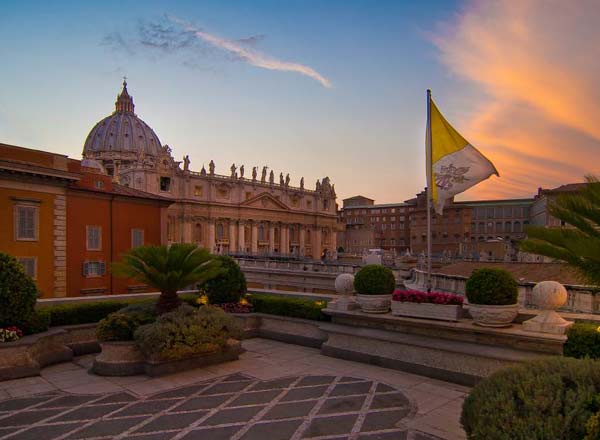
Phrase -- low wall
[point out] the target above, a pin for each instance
(580, 299)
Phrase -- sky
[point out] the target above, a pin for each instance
(316, 88)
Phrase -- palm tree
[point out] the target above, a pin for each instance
(578, 243)
(168, 269)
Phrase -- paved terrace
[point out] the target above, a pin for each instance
(275, 391)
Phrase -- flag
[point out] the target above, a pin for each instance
(455, 165)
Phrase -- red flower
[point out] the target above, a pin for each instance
(417, 296)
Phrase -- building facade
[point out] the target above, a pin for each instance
(244, 212)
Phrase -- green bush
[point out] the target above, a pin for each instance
(288, 306)
(228, 286)
(85, 313)
(583, 340)
(187, 332)
(374, 279)
(546, 399)
(18, 293)
(38, 322)
(121, 325)
(492, 287)
(593, 427)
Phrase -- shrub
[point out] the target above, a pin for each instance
(583, 340)
(88, 312)
(116, 327)
(288, 306)
(593, 427)
(417, 296)
(491, 287)
(18, 292)
(10, 334)
(187, 332)
(228, 286)
(374, 279)
(545, 399)
(38, 322)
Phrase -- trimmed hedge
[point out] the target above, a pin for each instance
(583, 340)
(287, 306)
(374, 279)
(546, 399)
(495, 287)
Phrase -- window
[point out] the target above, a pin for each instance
(165, 183)
(326, 205)
(309, 204)
(248, 195)
(220, 231)
(26, 222)
(198, 233)
(29, 265)
(93, 269)
(93, 238)
(99, 184)
(137, 237)
(198, 191)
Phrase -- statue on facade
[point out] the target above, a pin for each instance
(211, 168)
(233, 168)
(318, 186)
(263, 178)
(302, 183)
(272, 178)
(203, 171)
(281, 179)
(287, 180)
(254, 173)
(242, 172)
(186, 163)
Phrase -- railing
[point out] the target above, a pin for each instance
(580, 299)
(296, 265)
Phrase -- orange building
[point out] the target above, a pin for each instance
(105, 220)
(66, 221)
(33, 214)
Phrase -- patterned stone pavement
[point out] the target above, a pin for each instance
(275, 391)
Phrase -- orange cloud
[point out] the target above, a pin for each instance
(536, 63)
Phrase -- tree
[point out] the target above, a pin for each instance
(577, 243)
(168, 269)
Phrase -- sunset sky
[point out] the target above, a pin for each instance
(316, 88)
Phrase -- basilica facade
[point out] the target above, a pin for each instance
(243, 212)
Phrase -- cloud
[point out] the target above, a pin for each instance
(535, 64)
(249, 55)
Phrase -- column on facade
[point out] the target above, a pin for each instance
(333, 240)
(271, 237)
(316, 243)
(211, 235)
(241, 236)
(232, 234)
(302, 240)
(285, 239)
(254, 244)
(187, 229)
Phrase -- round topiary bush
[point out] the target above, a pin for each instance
(546, 399)
(122, 324)
(374, 279)
(489, 286)
(583, 340)
(18, 293)
(229, 286)
(187, 332)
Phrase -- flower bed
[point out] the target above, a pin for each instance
(428, 305)
(10, 334)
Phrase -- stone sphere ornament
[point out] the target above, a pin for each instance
(548, 296)
(344, 284)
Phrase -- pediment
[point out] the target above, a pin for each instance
(266, 201)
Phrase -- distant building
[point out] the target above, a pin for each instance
(367, 225)
(540, 212)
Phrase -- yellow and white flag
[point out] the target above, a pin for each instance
(456, 165)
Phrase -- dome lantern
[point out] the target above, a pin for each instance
(124, 102)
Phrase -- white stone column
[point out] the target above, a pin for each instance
(232, 242)
(241, 236)
(271, 237)
(302, 239)
(284, 244)
(211, 236)
(254, 244)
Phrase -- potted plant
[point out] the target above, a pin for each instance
(428, 305)
(493, 297)
(374, 285)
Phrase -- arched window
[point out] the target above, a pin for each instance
(277, 235)
(517, 226)
(507, 227)
(261, 232)
(198, 233)
(293, 237)
(220, 231)
(325, 236)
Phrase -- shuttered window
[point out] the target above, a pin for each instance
(29, 265)
(94, 238)
(94, 269)
(137, 237)
(26, 222)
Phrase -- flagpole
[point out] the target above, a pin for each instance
(429, 183)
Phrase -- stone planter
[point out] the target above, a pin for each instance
(118, 358)
(493, 316)
(374, 303)
(442, 312)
